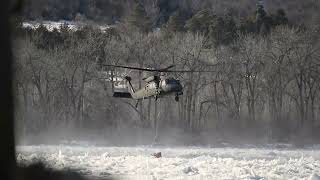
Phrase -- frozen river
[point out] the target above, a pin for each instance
(178, 163)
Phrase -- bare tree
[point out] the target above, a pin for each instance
(251, 52)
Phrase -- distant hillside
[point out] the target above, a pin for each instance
(110, 11)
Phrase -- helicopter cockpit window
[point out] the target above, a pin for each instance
(171, 81)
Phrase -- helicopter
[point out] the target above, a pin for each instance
(157, 85)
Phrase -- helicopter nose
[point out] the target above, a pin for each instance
(173, 86)
(178, 87)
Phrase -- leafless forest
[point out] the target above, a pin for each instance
(264, 83)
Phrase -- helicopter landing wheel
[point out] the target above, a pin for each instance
(176, 98)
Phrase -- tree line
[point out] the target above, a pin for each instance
(111, 11)
(264, 80)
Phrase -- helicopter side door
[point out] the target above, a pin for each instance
(151, 89)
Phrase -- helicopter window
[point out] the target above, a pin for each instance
(170, 81)
(152, 85)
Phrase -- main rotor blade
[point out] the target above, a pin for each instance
(135, 68)
(187, 71)
(169, 67)
(159, 70)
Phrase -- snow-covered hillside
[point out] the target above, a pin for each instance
(178, 163)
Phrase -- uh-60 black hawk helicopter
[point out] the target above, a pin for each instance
(157, 86)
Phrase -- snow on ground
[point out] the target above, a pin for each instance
(178, 163)
(51, 25)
